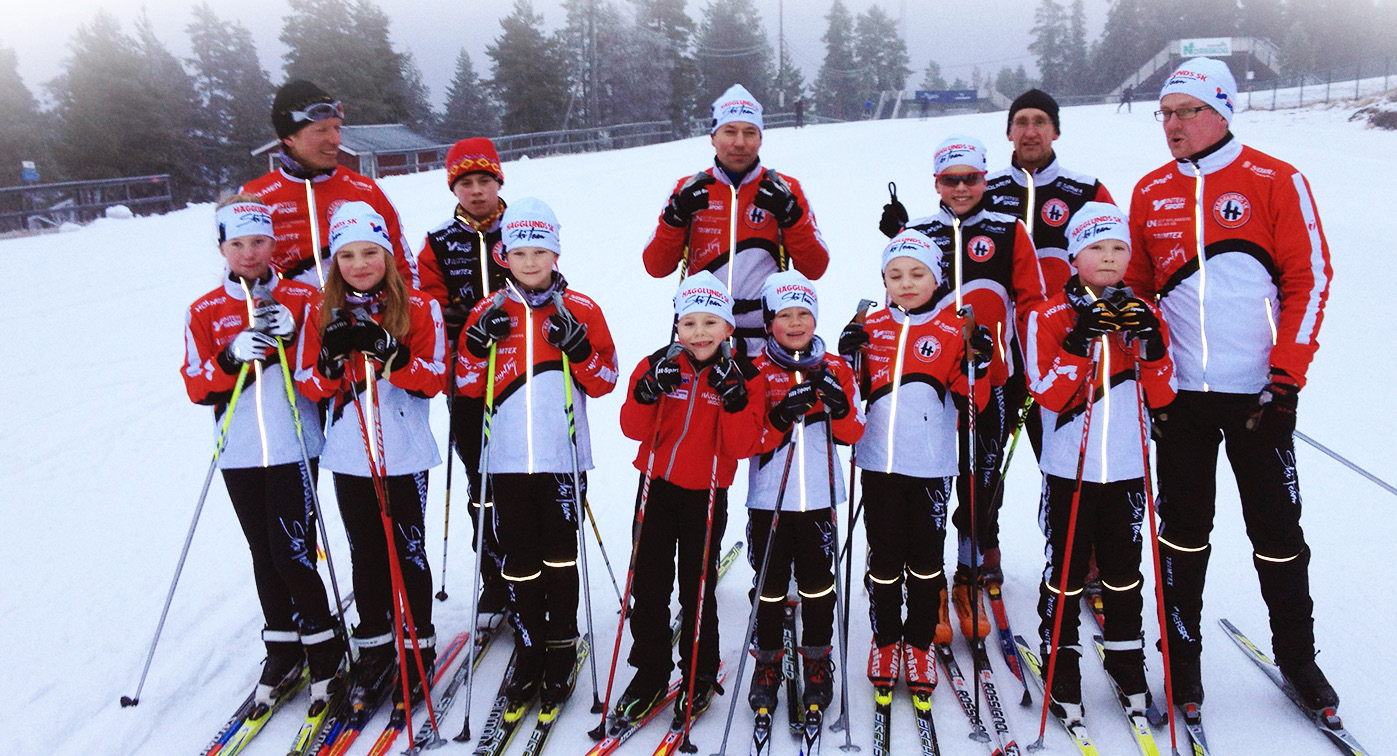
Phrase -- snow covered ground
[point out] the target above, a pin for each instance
(102, 456)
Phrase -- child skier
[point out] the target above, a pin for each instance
(523, 335)
(913, 359)
(459, 264)
(236, 327)
(1088, 341)
(689, 408)
(808, 394)
(370, 318)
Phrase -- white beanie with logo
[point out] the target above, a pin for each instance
(358, 221)
(789, 289)
(736, 104)
(1207, 79)
(703, 292)
(529, 222)
(960, 150)
(1094, 222)
(919, 247)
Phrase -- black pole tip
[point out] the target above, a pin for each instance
(688, 747)
(597, 707)
(127, 701)
(465, 735)
(1027, 700)
(598, 732)
(441, 595)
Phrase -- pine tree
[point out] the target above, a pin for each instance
(666, 28)
(1050, 44)
(347, 50)
(1124, 46)
(842, 85)
(1074, 54)
(125, 107)
(1012, 82)
(732, 48)
(22, 127)
(618, 69)
(881, 51)
(528, 74)
(235, 95)
(932, 79)
(469, 109)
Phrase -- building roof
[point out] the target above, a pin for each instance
(382, 137)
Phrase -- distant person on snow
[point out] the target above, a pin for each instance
(370, 318)
(1087, 341)
(237, 326)
(311, 182)
(1241, 345)
(737, 220)
(1127, 95)
(460, 263)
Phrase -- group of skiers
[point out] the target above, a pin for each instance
(1026, 298)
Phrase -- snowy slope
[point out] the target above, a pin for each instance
(102, 456)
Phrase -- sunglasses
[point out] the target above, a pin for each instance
(318, 112)
(950, 180)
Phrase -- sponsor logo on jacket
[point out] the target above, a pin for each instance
(1170, 203)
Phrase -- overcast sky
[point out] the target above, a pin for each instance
(959, 35)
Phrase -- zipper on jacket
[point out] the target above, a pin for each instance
(257, 366)
(1105, 371)
(897, 381)
(1031, 210)
(688, 413)
(799, 441)
(1202, 267)
(529, 378)
(955, 236)
(732, 236)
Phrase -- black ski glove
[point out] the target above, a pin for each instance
(454, 316)
(335, 345)
(798, 401)
(1159, 418)
(492, 326)
(662, 377)
(894, 219)
(1093, 321)
(570, 336)
(687, 200)
(1136, 318)
(1274, 415)
(726, 378)
(853, 339)
(774, 195)
(374, 341)
(831, 393)
(981, 352)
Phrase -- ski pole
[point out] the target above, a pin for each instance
(601, 546)
(488, 417)
(1062, 598)
(757, 599)
(1144, 413)
(402, 610)
(450, 462)
(841, 602)
(1346, 463)
(967, 314)
(570, 413)
(599, 732)
(132, 700)
(688, 746)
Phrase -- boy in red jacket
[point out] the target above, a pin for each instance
(1095, 342)
(809, 394)
(688, 407)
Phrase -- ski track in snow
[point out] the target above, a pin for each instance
(102, 455)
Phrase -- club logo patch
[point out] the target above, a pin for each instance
(1055, 212)
(1232, 210)
(497, 252)
(981, 248)
(333, 206)
(926, 348)
(756, 217)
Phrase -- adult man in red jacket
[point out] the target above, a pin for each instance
(1229, 240)
(310, 183)
(737, 220)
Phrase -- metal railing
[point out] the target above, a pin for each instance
(37, 207)
(1354, 80)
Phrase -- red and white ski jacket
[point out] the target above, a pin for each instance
(1044, 205)
(262, 432)
(404, 396)
(999, 273)
(449, 262)
(910, 366)
(706, 242)
(1255, 299)
(688, 426)
(286, 196)
(529, 431)
(1057, 379)
(808, 487)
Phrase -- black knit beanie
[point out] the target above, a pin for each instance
(294, 96)
(1035, 98)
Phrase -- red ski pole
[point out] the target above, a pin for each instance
(1154, 550)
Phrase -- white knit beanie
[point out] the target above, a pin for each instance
(1094, 222)
(736, 104)
(960, 150)
(789, 289)
(1208, 80)
(703, 292)
(357, 221)
(243, 219)
(919, 247)
(530, 222)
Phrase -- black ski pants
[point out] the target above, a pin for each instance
(277, 515)
(1109, 518)
(804, 541)
(368, 550)
(904, 520)
(536, 529)
(673, 525)
(1269, 487)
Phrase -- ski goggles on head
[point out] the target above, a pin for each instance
(949, 180)
(320, 111)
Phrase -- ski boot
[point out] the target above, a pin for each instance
(819, 676)
(766, 680)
